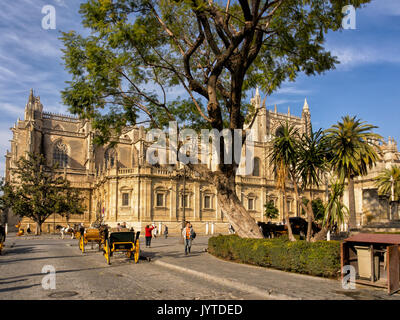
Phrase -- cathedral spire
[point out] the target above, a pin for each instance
(305, 106)
(256, 100)
(31, 97)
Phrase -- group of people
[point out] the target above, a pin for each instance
(188, 235)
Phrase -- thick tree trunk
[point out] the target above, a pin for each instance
(310, 218)
(243, 223)
(320, 235)
(286, 213)
(352, 204)
(307, 209)
(38, 228)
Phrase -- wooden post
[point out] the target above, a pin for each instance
(372, 264)
(393, 268)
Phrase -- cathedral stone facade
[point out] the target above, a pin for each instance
(119, 185)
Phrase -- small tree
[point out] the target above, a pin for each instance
(388, 183)
(283, 157)
(39, 191)
(336, 212)
(271, 212)
(318, 208)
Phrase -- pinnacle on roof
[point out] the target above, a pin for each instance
(305, 107)
(31, 97)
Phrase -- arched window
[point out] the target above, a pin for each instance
(256, 168)
(60, 155)
(109, 158)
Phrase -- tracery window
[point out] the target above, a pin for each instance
(256, 168)
(60, 155)
(109, 158)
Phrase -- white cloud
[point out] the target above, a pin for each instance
(61, 3)
(292, 90)
(12, 109)
(351, 56)
(5, 136)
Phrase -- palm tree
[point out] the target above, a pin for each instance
(352, 146)
(335, 212)
(388, 183)
(283, 158)
(311, 163)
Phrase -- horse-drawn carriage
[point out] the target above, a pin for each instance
(92, 236)
(122, 241)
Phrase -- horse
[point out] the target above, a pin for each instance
(66, 230)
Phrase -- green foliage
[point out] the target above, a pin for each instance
(312, 154)
(318, 208)
(139, 53)
(271, 212)
(283, 155)
(336, 212)
(386, 179)
(353, 152)
(320, 258)
(41, 191)
(352, 145)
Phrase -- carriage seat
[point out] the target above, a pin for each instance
(122, 237)
(119, 230)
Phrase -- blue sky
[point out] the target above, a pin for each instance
(366, 83)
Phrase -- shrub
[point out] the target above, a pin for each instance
(320, 258)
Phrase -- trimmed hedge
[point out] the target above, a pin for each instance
(320, 258)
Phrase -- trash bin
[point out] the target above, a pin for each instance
(364, 262)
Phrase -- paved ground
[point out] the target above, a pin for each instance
(169, 275)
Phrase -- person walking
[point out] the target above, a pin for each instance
(148, 233)
(187, 234)
(166, 232)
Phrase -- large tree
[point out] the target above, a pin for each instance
(39, 190)
(353, 151)
(140, 52)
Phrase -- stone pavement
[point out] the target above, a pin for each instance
(88, 277)
(263, 283)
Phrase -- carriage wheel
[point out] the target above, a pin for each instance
(82, 242)
(137, 251)
(107, 252)
(129, 254)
